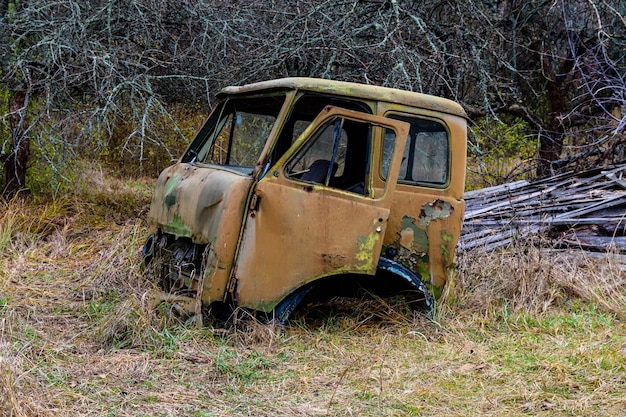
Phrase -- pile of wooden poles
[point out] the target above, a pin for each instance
(585, 210)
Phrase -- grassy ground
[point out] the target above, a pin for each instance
(526, 333)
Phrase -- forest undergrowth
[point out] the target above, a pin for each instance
(523, 331)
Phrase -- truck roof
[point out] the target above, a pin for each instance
(349, 89)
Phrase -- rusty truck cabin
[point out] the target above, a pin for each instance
(303, 186)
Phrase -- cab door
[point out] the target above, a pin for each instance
(316, 212)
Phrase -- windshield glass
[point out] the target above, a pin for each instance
(235, 133)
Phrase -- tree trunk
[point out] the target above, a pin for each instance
(551, 142)
(15, 162)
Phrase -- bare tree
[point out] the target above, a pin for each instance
(597, 113)
(90, 67)
(528, 59)
(16, 159)
(84, 76)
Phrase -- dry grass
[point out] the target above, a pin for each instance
(529, 278)
(528, 332)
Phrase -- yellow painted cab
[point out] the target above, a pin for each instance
(299, 187)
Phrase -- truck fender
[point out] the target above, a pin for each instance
(412, 278)
(284, 309)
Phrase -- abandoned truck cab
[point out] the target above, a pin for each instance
(301, 186)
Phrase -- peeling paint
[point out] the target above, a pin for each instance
(366, 247)
(413, 244)
(412, 237)
(169, 193)
(438, 209)
(446, 239)
(177, 227)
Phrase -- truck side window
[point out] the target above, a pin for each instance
(337, 155)
(426, 156)
(305, 109)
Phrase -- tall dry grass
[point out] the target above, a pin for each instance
(64, 262)
(531, 278)
(77, 336)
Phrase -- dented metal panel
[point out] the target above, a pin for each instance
(425, 238)
(282, 249)
(207, 206)
(425, 221)
(302, 232)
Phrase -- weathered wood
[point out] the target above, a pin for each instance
(496, 216)
(550, 221)
(611, 202)
(495, 190)
(473, 213)
(596, 243)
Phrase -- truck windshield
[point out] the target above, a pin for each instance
(235, 133)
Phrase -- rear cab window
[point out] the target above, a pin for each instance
(426, 159)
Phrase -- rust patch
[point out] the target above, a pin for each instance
(438, 209)
(334, 261)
